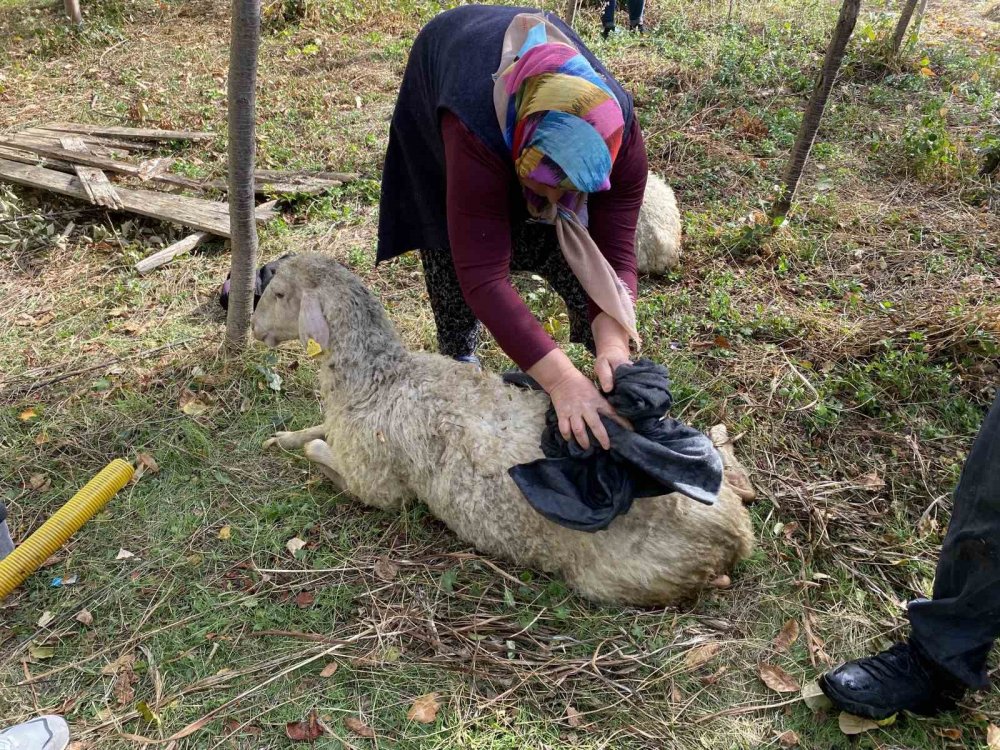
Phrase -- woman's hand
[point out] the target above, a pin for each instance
(579, 405)
(577, 401)
(611, 340)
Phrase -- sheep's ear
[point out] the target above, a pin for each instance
(312, 322)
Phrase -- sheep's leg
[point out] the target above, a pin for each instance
(294, 440)
(320, 454)
(733, 470)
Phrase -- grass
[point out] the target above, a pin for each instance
(854, 352)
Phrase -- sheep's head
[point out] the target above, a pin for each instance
(287, 310)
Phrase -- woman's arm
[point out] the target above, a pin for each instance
(614, 215)
(479, 232)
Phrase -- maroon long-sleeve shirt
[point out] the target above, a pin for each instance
(479, 231)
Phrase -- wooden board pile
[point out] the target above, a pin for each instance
(81, 161)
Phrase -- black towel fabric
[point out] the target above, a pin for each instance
(587, 489)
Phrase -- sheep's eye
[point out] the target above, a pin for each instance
(279, 295)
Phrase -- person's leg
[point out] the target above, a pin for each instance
(951, 634)
(608, 16)
(6, 543)
(635, 12)
(457, 327)
(956, 628)
(536, 250)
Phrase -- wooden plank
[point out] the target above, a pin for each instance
(284, 175)
(26, 143)
(138, 134)
(197, 213)
(167, 254)
(95, 182)
(115, 144)
(29, 157)
(269, 187)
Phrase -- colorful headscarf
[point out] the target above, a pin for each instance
(564, 128)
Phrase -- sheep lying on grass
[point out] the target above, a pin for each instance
(658, 234)
(402, 426)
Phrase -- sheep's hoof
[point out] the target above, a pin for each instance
(275, 440)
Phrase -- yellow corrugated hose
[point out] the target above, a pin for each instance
(65, 522)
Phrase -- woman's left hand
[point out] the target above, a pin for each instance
(611, 340)
(607, 361)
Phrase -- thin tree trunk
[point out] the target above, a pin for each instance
(243, 45)
(571, 11)
(901, 24)
(921, 10)
(817, 104)
(73, 11)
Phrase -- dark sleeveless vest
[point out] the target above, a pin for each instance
(450, 67)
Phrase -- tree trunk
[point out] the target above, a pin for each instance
(73, 11)
(571, 10)
(243, 45)
(901, 24)
(817, 104)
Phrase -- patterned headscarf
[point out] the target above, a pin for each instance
(564, 127)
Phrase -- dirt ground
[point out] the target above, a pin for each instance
(853, 354)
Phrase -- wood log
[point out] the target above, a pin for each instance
(95, 182)
(197, 213)
(137, 134)
(28, 143)
(167, 254)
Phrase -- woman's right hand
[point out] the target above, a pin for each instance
(579, 405)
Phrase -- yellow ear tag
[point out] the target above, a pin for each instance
(313, 349)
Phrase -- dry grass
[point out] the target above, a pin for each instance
(853, 352)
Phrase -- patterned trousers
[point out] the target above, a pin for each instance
(535, 250)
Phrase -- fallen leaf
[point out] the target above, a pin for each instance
(45, 619)
(27, 415)
(124, 684)
(192, 405)
(700, 655)
(359, 727)
(147, 713)
(42, 652)
(676, 695)
(788, 635)
(153, 167)
(871, 481)
(722, 582)
(304, 731)
(84, 617)
(788, 739)
(148, 462)
(927, 72)
(42, 438)
(714, 677)
(851, 724)
(993, 737)
(329, 670)
(573, 717)
(424, 709)
(313, 349)
(386, 569)
(294, 544)
(721, 342)
(305, 599)
(225, 532)
(814, 697)
(778, 679)
(39, 482)
(124, 554)
(112, 668)
(951, 733)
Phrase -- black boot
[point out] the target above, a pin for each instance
(900, 679)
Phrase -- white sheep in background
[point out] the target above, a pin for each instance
(658, 234)
(402, 426)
